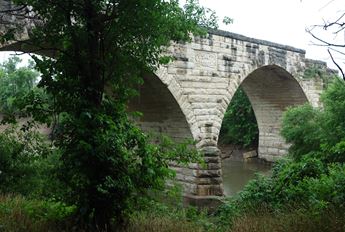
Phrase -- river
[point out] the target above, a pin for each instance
(237, 173)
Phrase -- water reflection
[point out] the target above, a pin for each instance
(237, 173)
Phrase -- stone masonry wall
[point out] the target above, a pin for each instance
(204, 77)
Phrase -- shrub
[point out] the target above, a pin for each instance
(26, 163)
(308, 183)
(318, 133)
(301, 128)
(257, 191)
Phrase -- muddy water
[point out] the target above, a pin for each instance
(237, 172)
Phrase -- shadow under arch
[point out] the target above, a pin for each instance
(161, 112)
(271, 90)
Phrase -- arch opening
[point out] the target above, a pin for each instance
(239, 128)
(270, 91)
(238, 139)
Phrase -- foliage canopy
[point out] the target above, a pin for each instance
(15, 82)
(239, 125)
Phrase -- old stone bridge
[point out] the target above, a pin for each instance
(187, 98)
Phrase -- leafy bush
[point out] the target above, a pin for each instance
(26, 163)
(309, 183)
(301, 128)
(329, 188)
(239, 124)
(257, 191)
(227, 213)
(318, 133)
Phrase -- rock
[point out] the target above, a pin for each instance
(250, 154)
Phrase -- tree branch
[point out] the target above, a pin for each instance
(324, 41)
(334, 62)
(9, 11)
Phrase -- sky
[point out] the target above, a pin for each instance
(280, 21)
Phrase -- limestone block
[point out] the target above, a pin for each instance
(214, 166)
(207, 173)
(213, 159)
(250, 154)
(190, 188)
(210, 190)
(209, 181)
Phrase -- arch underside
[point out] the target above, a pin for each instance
(161, 112)
(162, 115)
(271, 90)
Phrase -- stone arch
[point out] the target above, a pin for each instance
(171, 83)
(161, 112)
(180, 122)
(165, 110)
(167, 90)
(271, 89)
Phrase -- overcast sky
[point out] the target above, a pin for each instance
(280, 21)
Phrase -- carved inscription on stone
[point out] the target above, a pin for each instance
(205, 60)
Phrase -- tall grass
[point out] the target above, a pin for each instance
(18, 214)
(163, 217)
(294, 220)
(259, 220)
(162, 224)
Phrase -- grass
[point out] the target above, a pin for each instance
(19, 214)
(162, 224)
(296, 220)
(259, 221)
(168, 217)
